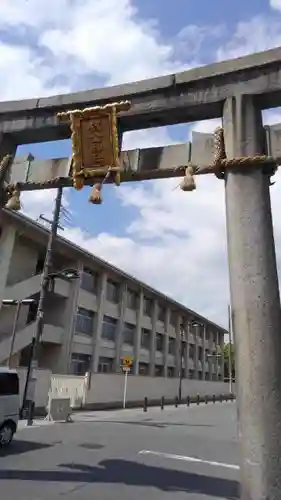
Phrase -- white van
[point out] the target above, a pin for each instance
(9, 405)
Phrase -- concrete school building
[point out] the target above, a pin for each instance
(94, 320)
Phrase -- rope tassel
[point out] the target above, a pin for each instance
(188, 182)
(95, 196)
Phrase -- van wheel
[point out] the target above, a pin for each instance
(6, 434)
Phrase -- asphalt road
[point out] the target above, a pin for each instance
(179, 453)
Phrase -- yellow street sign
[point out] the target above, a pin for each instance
(127, 361)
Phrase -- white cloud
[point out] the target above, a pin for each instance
(275, 4)
(36, 203)
(262, 32)
(177, 241)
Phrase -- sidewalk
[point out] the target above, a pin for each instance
(39, 422)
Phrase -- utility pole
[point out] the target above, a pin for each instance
(35, 344)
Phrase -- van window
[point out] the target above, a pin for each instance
(9, 384)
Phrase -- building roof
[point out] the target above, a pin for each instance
(19, 218)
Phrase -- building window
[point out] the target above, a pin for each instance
(129, 333)
(132, 300)
(172, 345)
(40, 264)
(89, 281)
(143, 368)
(171, 371)
(200, 353)
(161, 313)
(80, 363)
(183, 347)
(147, 306)
(159, 342)
(84, 321)
(192, 351)
(105, 365)
(173, 318)
(112, 291)
(145, 338)
(109, 326)
(159, 371)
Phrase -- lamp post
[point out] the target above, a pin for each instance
(66, 274)
(215, 355)
(18, 304)
(182, 337)
(196, 324)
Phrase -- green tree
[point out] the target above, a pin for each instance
(226, 361)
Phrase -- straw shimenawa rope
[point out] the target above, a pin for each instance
(7, 195)
(219, 165)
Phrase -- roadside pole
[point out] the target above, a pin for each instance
(125, 387)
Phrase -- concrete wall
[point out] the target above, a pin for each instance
(23, 261)
(42, 385)
(55, 310)
(109, 388)
(7, 316)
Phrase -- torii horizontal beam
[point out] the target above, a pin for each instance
(196, 94)
(136, 165)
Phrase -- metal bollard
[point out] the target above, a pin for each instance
(221, 398)
(30, 414)
(198, 399)
(214, 398)
(187, 401)
(206, 399)
(176, 401)
(145, 405)
(162, 403)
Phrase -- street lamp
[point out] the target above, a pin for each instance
(18, 304)
(182, 338)
(69, 275)
(217, 356)
(196, 324)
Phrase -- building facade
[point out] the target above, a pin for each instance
(91, 322)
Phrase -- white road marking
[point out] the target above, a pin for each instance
(189, 459)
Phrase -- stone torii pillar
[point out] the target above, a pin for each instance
(255, 301)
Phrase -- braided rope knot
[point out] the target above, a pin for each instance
(220, 163)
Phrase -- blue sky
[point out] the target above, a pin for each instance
(70, 45)
(170, 22)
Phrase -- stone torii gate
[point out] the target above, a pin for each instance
(244, 155)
